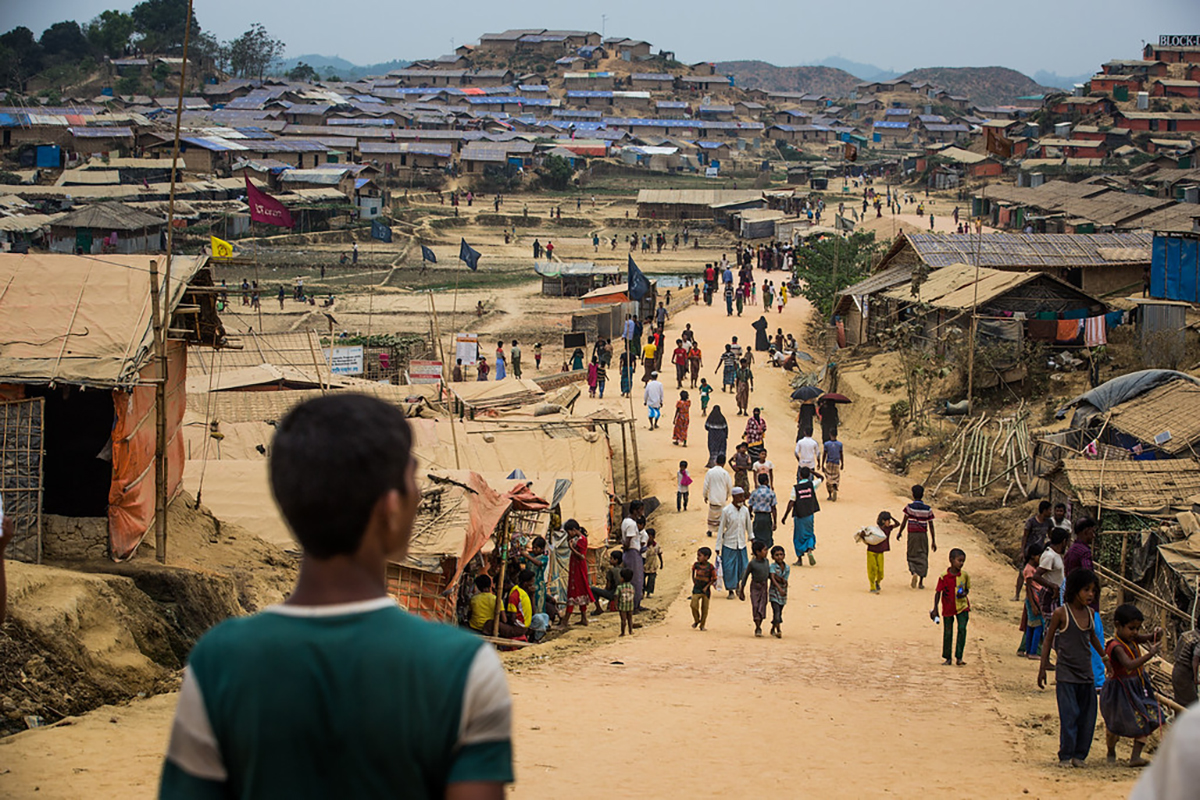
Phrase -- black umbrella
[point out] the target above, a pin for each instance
(805, 393)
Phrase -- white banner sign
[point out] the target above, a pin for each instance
(466, 346)
(345, 360)
(425, 371)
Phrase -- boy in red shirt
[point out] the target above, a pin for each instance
(679, 357)
(953, 589)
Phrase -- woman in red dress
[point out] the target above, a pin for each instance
(682, 418)
(579, 588)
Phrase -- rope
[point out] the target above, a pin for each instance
(220, 353)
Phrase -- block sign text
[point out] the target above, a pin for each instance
(1179, 40)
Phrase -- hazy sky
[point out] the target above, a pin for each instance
(1064, 36)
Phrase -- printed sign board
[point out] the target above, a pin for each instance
(425, 371)
(1179, 40)
(345, 360)
(466, 347)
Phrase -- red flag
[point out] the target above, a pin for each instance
(264, 208)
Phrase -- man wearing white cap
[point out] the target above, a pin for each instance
(653, 399)
(731, 539)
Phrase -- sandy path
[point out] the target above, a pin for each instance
(852, 700)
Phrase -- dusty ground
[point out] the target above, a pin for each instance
(852, 700)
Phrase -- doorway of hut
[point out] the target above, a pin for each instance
(77, 437)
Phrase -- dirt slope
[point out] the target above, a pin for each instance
(761, 75)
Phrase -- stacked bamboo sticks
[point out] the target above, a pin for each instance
(982, 444)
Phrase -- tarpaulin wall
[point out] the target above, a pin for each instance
(131, 495)
(1175, 268)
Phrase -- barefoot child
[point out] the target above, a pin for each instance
(1127, 700)
(1032, 620)
(780, 572)
(654, 560)
(625, 600)
(1071, 631)
(704, 576)
(758, 572)
(705, 391)
(537, 355)
(683, 482)
(917, 522)
(953, 589)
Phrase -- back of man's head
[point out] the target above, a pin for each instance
(332, 459)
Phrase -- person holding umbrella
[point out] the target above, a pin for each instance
(827, 410)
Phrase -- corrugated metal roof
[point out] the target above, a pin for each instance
(114, 132)
(1021, 250)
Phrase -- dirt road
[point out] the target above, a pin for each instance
(853, 700)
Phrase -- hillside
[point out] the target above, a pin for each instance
(984, 85)
(761, 75)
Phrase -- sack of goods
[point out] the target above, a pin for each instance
(870, 535)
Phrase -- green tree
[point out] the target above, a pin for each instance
(556, 173)
(20, 57)
(64, 42)
(853, 256)
(110, 32)
(160, 24)
(303, 73)
(252, 53)
(209, 54)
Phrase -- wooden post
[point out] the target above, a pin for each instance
(502, 550)
(160, 420)
(437, 337)
(624, 461)
(1124, 551)
(317, 364)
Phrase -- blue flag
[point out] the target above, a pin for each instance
(638, 286)
(427, 255)
(468, 255)
(380, 231)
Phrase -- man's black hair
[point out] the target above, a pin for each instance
(525, 577)
(331, 460)
(1043, 506)
(483, 581)
(636, 505)
(1083, 524)
(1077, 581)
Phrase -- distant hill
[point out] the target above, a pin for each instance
(984, 85)
(1061, 81)
(338, 66)
(865, 72)
(761, 75)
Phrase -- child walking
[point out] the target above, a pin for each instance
(653, 560)
(704, 576)
(1071, 631)
(758, 572)
(683, 482)
(1032, 620)
(886, 523)
(777, 594)
(705, 391)
(625, 595)
(1127, 700)
(537, 355)
(953, 589)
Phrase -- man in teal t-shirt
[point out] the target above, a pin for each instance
(337, 692)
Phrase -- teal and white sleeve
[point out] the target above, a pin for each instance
(193, 767)
(484, 748)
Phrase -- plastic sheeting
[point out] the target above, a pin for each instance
(131, 494)
(1118, 390)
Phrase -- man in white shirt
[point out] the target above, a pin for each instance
(633, 539)
(717, 488)
(731, 539)
(653, 399)
(807, 452)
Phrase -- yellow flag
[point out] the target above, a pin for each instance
(221, 248)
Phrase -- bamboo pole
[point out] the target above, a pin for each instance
(1124, 555)
(437, 337)
(624, 461)
(160, 421)
(317, 364)
(502, 552)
